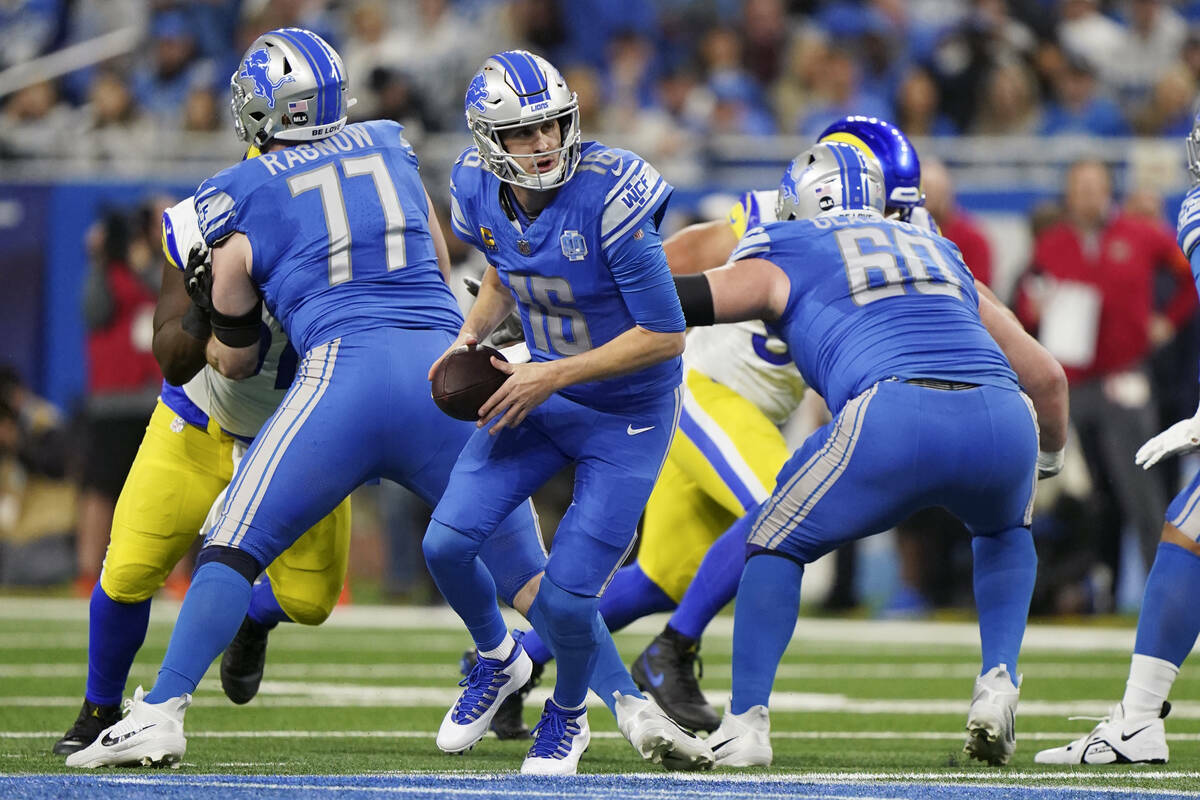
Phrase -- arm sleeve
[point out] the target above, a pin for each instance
(640, 194)
(639, 267)
(753, 244)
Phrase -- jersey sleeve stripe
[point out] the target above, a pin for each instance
(1190, 238)
(457, 219)
(636, 217)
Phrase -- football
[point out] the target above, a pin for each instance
(466, 379)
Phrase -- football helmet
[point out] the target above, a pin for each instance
(289, 85)
(514, 89)
(1193, 147)
(827, 178)
(894, 152)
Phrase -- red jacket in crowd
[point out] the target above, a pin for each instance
(976, 252)
(1122, 265)
(119, 355)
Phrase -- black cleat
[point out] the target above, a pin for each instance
(509, 722)
(242, 664)
(667, 671)
(92, 720)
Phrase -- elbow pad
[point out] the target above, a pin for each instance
(695, 295)
(240, 331)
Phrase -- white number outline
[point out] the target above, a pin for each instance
(859, 265)
(536, 296)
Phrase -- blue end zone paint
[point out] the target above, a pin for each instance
(156, 785)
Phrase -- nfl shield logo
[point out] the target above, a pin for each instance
(573, 245)
(523, 247)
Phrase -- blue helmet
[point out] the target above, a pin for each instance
(892, 149)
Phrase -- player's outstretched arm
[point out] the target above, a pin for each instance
(439, 239)
(179, 350)
(237, 310)
(700, 247)
(492, 305)
(752, 288)
(1039, 373)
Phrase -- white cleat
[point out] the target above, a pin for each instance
(559, 740)
(657, 738)
(488, 684)
(1116, 740)
(992, 718)
(743, 740)
(150, 735)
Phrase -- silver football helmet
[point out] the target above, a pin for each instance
(514, 89)
(290, 85)
(830, 177)
(1193, 146)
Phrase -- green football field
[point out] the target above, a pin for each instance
(855, 701)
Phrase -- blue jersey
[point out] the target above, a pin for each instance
(587, 269)
(340, 235)
(872, 299)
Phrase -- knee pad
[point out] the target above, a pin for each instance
(570, 618)
(133, 583)
(304, 610)
(443, 546)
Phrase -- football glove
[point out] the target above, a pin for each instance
(197, 276)
(1182, 437)
(1050, 464)
(507, 332)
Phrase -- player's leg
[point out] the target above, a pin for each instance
(301, 585)
(177, 472)
(998, 436)
(278, 492)
(851, 478)
(1167, 630)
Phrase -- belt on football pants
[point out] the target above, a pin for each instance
(941, 385)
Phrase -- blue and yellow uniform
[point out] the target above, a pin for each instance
(192, 444)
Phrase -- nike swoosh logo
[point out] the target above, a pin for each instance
(656, 678)
(1125, 737)
(632, 431)
(109, 741)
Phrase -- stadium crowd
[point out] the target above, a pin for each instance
(668, 74)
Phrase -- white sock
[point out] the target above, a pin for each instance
(502, 650)
(1149, 684)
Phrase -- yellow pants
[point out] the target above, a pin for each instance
(723, 461)
(178, 474)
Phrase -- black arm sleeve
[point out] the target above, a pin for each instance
(695, 295)
(240, 331)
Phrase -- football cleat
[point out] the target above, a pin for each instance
(91, 720)
(243, 662)
(560, 738)
(657, 737)
(743, 740)
(489, 683)
(150, 735)
(991, 720)
(1116, 740)
(509, 722)
(666, 670)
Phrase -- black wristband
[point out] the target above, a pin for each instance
(243, 330)
(195, 323)
(695, 295)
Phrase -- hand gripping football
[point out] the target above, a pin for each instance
(466, 379)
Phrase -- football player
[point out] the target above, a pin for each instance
(881, 317)
(197, 434)
(570, 232)
(330, 228)
(1133, 731)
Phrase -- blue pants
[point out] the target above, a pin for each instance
(360, 408)
(898, 448)
(617, 457)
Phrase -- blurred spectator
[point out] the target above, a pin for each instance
(957, 226)
(629, 81)
(593, 116)
(34, 122)
(796, 88)
(538, 25)
(838, 94)
(200, 112)
(163, 83)
(1169, 109)
(113, 128)
(1153, 42)
(1079, 108)
(1086, 33)
(766, 32)
(123, 381)
(1095, 311)
(399, 99)
(917, 111)
(30, 28)
(736, 110)
(1010, 103)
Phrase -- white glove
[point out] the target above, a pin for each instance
(1182, 437)
(1050, 464)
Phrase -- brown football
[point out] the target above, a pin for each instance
(466, 379)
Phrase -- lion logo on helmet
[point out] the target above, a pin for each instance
(477, 92)
(255, 67)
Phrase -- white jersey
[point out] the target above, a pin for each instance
(742, 355)
(239, 407)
